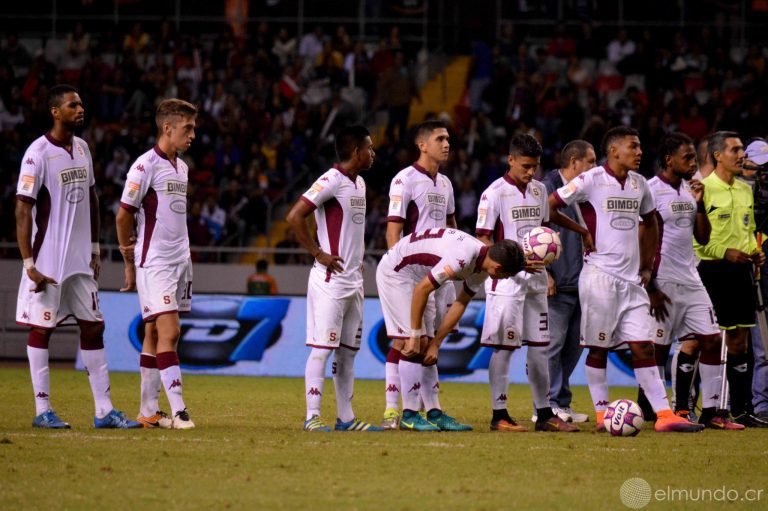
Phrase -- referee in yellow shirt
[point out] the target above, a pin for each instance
(727, 264)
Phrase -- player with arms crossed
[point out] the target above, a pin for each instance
(157, 260)
(613, 301)
(680, 305)
(516, 308)
(56, 189)
(335, 287)
(420, 198)
(406, 276)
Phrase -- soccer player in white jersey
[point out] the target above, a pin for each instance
(614, 302)
(680, 305)
(420, 198)
(335, 287)
(157, 260)
(406, 276)
(56, 191)
(516, 311)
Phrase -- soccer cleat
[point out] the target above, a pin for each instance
(763, 416)
(599, 424)
(158, 420)
(316, 425)
(181, 420)
(391, 419)
(685, 414)
(750, 421)
(568, 415)
(556, 424)
(722, 420)
(508, 425)
(415, 422)
(115, 419)
(668, 422)
(445, 422)
(356, 425)
(49, 420)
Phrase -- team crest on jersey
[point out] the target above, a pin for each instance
(535, 191)
(71, 176)
(27, 183)
(176, 188)
(80, 150)
(634, 184)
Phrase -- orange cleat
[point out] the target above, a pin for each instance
(668, 422)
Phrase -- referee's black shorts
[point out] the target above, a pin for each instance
(731, 289)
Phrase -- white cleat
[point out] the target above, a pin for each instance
(182, 421)
(568, 415)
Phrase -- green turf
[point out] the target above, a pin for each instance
(249, 452)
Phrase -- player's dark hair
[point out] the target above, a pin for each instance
(669, 146)
(525, 145)
(614, 134)
(56, 92)
(717, 142)
(509, 254)
(262, 265)
(173, 108)
(348, 139)
(427, 127)
(576, 149)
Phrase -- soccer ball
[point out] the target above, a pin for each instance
(542, 244)
(623, 418)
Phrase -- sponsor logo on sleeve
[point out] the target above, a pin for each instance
(27, 183)
(314, 190)
(133, 189)
(481, 214)
(394, 202)
(567, 190)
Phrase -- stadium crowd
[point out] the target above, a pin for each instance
(271, 102)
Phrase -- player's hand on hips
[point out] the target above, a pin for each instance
(41, 281)
(659, 303)
(430, 354)
(127, 251)
(587, 242)
(96, 265)
(331, 262)
(551, 286)
(734, 255)
(412, 347)
(130, 278)
(645, 277)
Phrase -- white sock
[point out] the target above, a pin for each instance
(314, 377)
(649, 380)
(171, 377)
(537, 364)
(95, 362)
(41, 379)
(410, 383)
(392, 388)
(150, 391)
(344, 382)
(711, 381)
(498, 377)
(430, 387)
(597, 379)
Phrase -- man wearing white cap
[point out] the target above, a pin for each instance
(756, 155)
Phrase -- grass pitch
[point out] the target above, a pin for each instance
(249, 452)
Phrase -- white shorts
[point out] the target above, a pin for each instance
(690, 313)
(164, 289)
(614, 312)
(77, 297)
(396, 295)
(512, 321)
(334, 315)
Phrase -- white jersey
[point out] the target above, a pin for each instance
(508, 211)
(611, 210)
(419, 201)
(676, 214)
(157, 190)
(440, 255)
(339, 203)
(58, 183)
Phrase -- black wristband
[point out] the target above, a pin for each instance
(700, 208)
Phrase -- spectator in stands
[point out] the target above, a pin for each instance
(620, 48)
(215, 217)
(261, 282)
(136, 41)
(76, 52)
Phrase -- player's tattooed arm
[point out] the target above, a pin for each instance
(24, 240)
